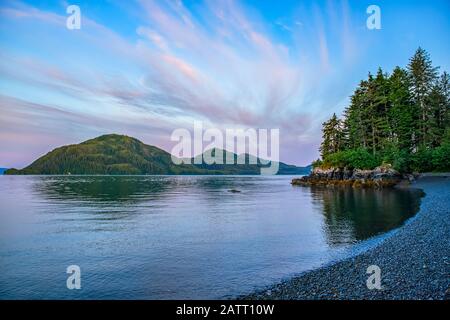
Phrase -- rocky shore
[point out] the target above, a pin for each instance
(380, 177)
(414, 260)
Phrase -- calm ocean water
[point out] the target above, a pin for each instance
(175, 237)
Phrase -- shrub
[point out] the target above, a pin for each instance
(356, 158)
(402, 162)
(362, 159)
(421, 160)
(441, 157)
(317, 164)
(400, 159)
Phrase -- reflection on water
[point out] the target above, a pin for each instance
(161, 237)
(357, 214)
(102, 188)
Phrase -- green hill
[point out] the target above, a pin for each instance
(117, 154)
(108, 154)
(247, 168)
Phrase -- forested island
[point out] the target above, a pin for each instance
(396, 124)
(115, 154)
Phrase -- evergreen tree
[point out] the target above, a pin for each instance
(402, 111)
(380, 106)
(355, 120)
(332, 136)
(422, 76)
(438, 101)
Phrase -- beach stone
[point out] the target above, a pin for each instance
(413, 260)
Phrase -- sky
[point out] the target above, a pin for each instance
(145, 68)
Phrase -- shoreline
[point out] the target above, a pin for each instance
(414, 260)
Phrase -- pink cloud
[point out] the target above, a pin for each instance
(226, 70)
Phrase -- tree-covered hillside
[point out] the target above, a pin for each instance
(108, 154)
(118, 154)
(400, 118)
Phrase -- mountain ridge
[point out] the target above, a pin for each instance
(115, 154)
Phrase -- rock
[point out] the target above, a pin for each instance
(362, 174)
(380, 177)
(347, 174)
(409, 177)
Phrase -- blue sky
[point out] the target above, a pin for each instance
(145, 68)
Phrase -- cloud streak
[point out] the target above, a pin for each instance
(219, 62)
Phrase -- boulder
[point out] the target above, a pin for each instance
(380, 177)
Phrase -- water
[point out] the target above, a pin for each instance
(175, 237)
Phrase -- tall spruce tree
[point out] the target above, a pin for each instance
(379, 113)
(422, 77)
(355, 120)
(403, 111)
(332, 136)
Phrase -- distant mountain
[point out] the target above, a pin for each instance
(2, 170)
(118, 154)
(247, 168)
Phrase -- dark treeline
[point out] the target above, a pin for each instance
(400, 119)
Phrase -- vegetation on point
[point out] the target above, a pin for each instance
(401, 119)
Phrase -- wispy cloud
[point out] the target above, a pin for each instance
(217, 61)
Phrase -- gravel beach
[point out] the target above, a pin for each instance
(414, 260)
